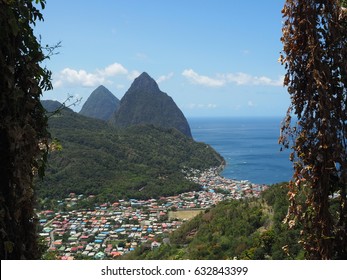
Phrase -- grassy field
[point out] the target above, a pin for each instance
(184, 214)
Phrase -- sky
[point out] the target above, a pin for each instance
(215, 58)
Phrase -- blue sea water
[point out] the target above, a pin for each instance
(249, 146)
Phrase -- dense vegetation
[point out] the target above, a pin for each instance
(242, 229)
(23, 126)
(137, 162)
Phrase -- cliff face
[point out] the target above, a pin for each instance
(145, 103)
(101, 104)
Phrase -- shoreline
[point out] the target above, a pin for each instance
(236, 140)
(212, 180)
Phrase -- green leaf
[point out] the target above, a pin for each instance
(9, 246)
(14, 26)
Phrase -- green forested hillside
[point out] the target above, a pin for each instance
(242, 229)
(139, 162)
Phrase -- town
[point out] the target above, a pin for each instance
(112, 229)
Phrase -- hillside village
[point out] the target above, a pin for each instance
(112, 229)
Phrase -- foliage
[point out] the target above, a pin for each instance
(137, 162)
(242, 229)
(315, 56)
(23, 127)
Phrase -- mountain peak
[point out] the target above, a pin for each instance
(101, 104)
(52, 106)
(144, 75)
(101, 88)
(102, 91)
(145, 103)
(145, 83)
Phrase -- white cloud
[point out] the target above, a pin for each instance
(78, 77)
(202, 80)
(212, 106)
(240, 79)
(83, 78)
(246, 79)
(165, 77)
(201, 106)
(113, 70)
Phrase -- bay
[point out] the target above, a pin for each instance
(249, 146)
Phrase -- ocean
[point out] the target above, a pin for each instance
(249, 146)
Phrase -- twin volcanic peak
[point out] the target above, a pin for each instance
(145, 103)
(101, 104)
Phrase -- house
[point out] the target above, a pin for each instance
(91, 254)
(74, 249)
(155, 245)
(116, 254)
(99, 256)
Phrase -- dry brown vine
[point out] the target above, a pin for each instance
(315, 57)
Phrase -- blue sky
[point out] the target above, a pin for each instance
(213, 57)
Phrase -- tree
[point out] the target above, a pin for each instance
(315, 56)
(23, 126)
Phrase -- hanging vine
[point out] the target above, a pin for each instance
(315, 57)
(23, 126)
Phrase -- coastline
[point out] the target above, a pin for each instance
(212, 181)
(248, 145)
